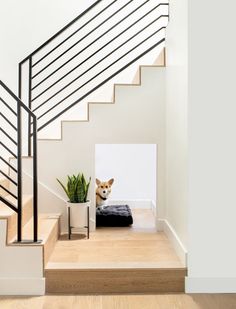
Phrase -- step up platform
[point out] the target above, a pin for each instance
(114, 278)
(135, 259)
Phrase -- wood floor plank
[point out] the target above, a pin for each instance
(139, 243)
(162, 301)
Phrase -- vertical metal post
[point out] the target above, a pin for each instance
(19, 174)
(35, 179)
(29, 105)
(19, 80)
(69, 228)
(88, 220)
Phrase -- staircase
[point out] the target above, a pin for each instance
(73, 76)
(89, 55)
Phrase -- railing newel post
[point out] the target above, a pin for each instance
(19, 173)
(35, 180)
(30, 107)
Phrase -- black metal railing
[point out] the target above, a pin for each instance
(100, 43)
(12, 134)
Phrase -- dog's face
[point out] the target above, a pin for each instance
(104, 188)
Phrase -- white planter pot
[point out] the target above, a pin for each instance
(78, 214)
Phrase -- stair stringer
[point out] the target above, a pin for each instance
(105, 94)
(136, 83)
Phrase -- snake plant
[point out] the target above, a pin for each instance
(76, 188)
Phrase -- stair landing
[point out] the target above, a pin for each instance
(135, 259)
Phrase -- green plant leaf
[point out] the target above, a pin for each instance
(64, 188)
(76, 188)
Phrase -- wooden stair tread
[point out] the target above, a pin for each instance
(46, 224)
(5, 211)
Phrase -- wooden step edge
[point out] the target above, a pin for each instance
(125, 281)
(43, 233)
(114, 265)
(51, 240)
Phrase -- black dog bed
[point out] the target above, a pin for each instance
(115, 215)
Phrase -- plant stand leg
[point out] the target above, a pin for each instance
(88, 222)
(69, 227)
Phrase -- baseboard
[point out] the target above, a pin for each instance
(22, 286)
(164, 225)
(210, 285)
(133, 204)
(154, 209)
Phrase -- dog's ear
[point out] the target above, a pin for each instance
(98, 182)
(111, 181)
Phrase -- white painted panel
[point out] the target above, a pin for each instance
(20, 265)
(132, 166)
(15, 261)
(22, 286)
(212, 148)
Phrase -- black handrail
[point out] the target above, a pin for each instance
(98, 38)
(101, 84)
(18, 143)
(94, 41)
(99, 73)
(85, 36)
(90, 68)
(33, 102)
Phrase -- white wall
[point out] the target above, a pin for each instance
(132, 166)
(26, 24)
(176, 119)
(212, 147)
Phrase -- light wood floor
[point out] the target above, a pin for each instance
(139, 244)
(170, 301)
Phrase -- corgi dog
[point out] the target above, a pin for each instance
(103, 191)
